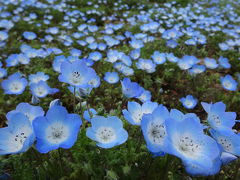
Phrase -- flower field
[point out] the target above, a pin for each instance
(127, 89)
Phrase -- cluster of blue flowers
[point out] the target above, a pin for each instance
(202, 145)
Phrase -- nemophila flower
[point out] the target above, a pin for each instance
(18, 137)
(191, 42)
(131, 89)
(57, 62)
(107, 132)
(29, 35)
(3, 35)
(93, 46)
(28, 110)
(39, 76)
(3, 72)
(136, 44)
(126, 60)
(89, 114)
(23, 59)
(82, 43)
(135, 54)
(146, 65)
(15, 84)
(145, 96)
(12, 60)
(58, 129)
(127, 71)
(229, 83)
(158, 58)
(210, 63)
(179, 116)
(218, 119)
(223, 62)
(136, 111)
(154, 129)
(189, 101)
(76, 73)
(102, 46)
(171, 57)
(111, 77)
(188, 142)
(197, 69)
(186, 62)
(75, 52)
(95, 56)
(55, 102)
(171, 44)
(41, 89)
(171, 34)
(112, 56)
(229, 144)
(224, 46)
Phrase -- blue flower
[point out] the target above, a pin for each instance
(136, 111)
(210, 63)
(107, 132)
(15, 84)
(41, 89)
(18, 137)
(111, 77)
(131, 89)
(12, 60)
(218, 119)
(189, 101)
(229, 83)
(197, 69)
(146, 65)
(88, 116)
(75, 52)
(57, 129)
(57, 63)
(179, 116)
(39, 76)
(23, 59)
(159, 58)
(95, 56)
(135, 54)
(28, 110)
(227, 143)
(3, 72)
(188, 142)
(29, 35)
(171, 43)
(223, 62)
(76, 73)
(186, 62)
(3, 35)
(154, 129)
(145, 96)
(136, 44)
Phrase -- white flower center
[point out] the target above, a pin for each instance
(76, 78)
(188, 147)
(227, 146)
(16, 86)
(40, 91)
(57, 133)
(215, 118)
(227, 84)
(156, 133)
(105, 135)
